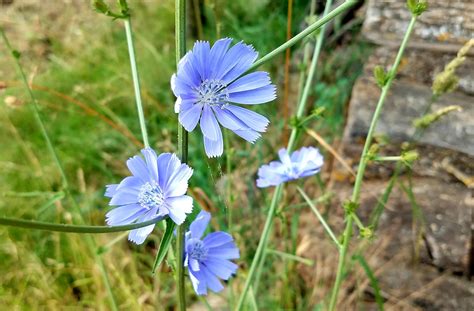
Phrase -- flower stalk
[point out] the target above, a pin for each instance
(136, 80)
(180, 37)
(259, 256)
(363, 163)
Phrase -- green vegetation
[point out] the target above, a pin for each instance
(85, 92)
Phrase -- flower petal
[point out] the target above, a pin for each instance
(216, 239)
(248, 134)
(250, 81)
(125, 196)
(209, 125)
(178, 208)
(252, 119)
(110, 190)
(253, 97)
(216, 56)
(138, 236)
(178, 183)
(167, 164)
(137, 166)
(199, 225)
(221, 268)
(124, 214)
(212, 281)
(214, 148)
(189, 118)
(151, 161)
(228, 119)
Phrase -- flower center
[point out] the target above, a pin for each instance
(292, 171)
(213, 93)
(198, 251)
(150, 196)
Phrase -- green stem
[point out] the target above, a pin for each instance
(136, 80)
(320, 217)
(312, 70)
(259, 256)
(363, 163)
(261, 246)
(307, 31)
(180, 37)
(47, 226)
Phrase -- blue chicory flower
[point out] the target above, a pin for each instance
(302, 163)
(208, 84)
(156, 188)
(208, 259)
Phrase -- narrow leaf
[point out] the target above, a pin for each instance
(164, 245)
(373, 280)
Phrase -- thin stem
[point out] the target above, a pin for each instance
(307, 31)
(320, 217)
(302, 260)
(388, 159)
(36, 112)
(136, 80)
(261, 245)
(47, 226)
(363, 163)
(180, 37)
(259, 256)
(312, 70)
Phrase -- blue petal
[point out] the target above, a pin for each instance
(138, 236)
(110, 190)
(250, 81)
(151, 160)
(253, 97)
(178, 182)
(216, 239)
(217, 55)
(252, 119)
(231, 59)
(246, 56)
(248, 134)
(190, 117)
(124, 214)
(211, 280)
(209, 125)
(221, 268)
(228, 119)
(198, 281)
(199, 225)
(200, 54)
(125, 196)
(130, 182)
(214, 148)
(178, 208)
(167, 164)
(224, 253)
(137, 166)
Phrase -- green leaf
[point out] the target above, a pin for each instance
(380, 76)
(373, 280)
(164, 245)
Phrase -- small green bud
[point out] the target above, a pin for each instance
(294, 122)
(366, 232)
(380, 75)
(372, 153)
(417, 7)
(350, 207)
(16, 54)
(100, 6)
(410, 156)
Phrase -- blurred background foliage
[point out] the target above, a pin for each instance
(77, 63)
